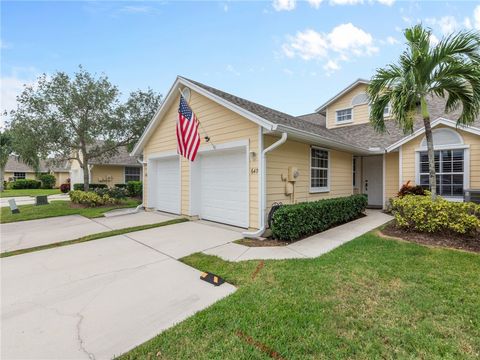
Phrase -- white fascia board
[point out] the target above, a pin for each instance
(436, 122)
(341, 93)
(320, 140)
(171, 95)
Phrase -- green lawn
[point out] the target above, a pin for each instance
(28, 192)
(369, 299)
(58, 208)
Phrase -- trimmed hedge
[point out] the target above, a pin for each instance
(292, 222)
(135, 188)
(79, 186)
(25, 184)
(48, 181)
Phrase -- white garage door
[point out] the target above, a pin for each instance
(223, 187)
(165, 187)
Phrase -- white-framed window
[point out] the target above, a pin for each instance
(345, 115)
(18, 175)
(132, 174)
(387, 110)
(319, 170)
(449, 169)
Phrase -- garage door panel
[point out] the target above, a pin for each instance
(167, 185)
(224, 187)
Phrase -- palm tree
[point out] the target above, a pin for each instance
(450, 70)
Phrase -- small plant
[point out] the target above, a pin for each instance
(135, 188)
(115, 193)
(409, 189)
(25, 184)
(91, 198)
(122, 186)
(422, 214)
(65, 188)
(292, 222)
(48, 181)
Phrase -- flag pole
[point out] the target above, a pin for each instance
(206, 137)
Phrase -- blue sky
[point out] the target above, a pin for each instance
(286, 54)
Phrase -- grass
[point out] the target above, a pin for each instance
(28, 192)
(58, 208)
(92, 237)
(371, 298)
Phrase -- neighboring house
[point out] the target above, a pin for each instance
(16, 169)
(332, 152)
(117, 169)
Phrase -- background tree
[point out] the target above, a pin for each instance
(79, 118)
(6, 149)
(450, 70)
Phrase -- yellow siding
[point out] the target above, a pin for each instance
(408, 158)
(107, 174)
(360, 112)
(61, 177)
(297, 154)
(391, 175)
(223, 126)
(9, 175)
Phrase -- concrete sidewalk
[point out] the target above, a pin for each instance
(32, 233)
(29, 200)
(310, 247)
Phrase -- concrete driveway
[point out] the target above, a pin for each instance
(99, 299)
(31, 233)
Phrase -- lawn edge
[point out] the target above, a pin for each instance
(92, 237)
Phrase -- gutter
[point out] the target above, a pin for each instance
(263, 196)
(141, 206)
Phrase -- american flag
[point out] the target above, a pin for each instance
(188, 137)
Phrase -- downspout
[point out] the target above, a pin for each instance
(263, 190)
(141, 206)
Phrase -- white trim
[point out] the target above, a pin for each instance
(223, 146)
(171, 95)
(444, 147)
(384, 195)
(163, 154)
(436, 122)
(341, 93)
(130, 166)
(346, 121)
(315, 190)
(400, 167)
(260, 164)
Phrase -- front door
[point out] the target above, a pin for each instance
(372, 179)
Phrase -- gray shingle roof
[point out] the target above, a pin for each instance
(14, 164)
(122, 157)
(362, 135)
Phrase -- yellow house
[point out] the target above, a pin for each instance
(117, 169)
(16, 169)
(252, 156)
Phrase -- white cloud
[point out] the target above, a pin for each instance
(391, 40)
(284, 5)
(446, 24)
(345, 2)
(232, 70)
(467, 23)
(287, 72)
(315, 3)
(135, 9)
(386, 2)
(433, 40)
(225, 7)
(343, 42)
(4, 44)
(476, 17)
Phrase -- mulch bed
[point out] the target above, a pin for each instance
(455, 241)
(261, 243)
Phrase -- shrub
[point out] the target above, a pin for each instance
(91, 199)
(408, 189)
(25, 184)
(292, 222)
(115, 193)
(48, 181)
(121, 186)
(135, 188)
(421, 213)
(65, 188)
(79, 186)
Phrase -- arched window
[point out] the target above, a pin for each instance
(444, 137)
(449, 163)
(360, 99)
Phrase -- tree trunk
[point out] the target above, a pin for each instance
(431, 152)
(86, 170)
(2, 177)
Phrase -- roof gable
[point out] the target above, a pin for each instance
(341, 93)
